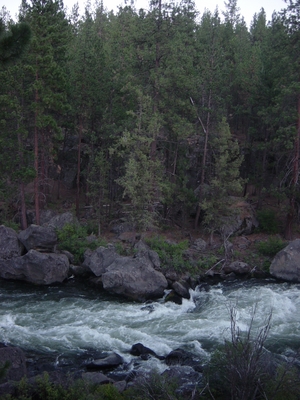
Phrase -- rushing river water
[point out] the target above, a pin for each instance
(74, 319)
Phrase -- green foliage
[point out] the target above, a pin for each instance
(267, 221)
(73, 237)
(142, 180)
(271, 247)
(217, 202)
(205, 262)
(44, 389)
(11, 224)
(13, 42)
(170, 254)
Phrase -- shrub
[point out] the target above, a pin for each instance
(267, 221)
(170, 254)
(238, 369)
(44, 389)
(271, 247)
(242, 369)
(73, 237)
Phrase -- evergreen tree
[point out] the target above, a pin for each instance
(217, 202)
(47, 82)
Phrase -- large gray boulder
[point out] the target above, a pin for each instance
(98, 260)
(35, 267)
(9, 244)
(133, 279)
(59, 221)
(39, 238)
(243, 219)
(286, 263)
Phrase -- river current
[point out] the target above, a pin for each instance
(72, 319)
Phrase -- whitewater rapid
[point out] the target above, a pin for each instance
(73, 319)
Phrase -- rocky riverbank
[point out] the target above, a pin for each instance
(33, 256)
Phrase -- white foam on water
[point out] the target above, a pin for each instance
(52, 322)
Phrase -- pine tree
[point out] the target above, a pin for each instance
(217, 202)
(46, 82)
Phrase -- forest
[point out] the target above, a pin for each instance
(160, 115)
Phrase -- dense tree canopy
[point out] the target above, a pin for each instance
(161, 114)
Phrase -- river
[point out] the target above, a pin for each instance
(74, 319)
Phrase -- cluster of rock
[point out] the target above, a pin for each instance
(107, 368)
(32, 256)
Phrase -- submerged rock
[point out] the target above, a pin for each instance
(113, 360)
(144, 352)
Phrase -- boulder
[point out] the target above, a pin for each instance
(238, 267)
(9, 244)
(134, 279)
(186, 378)
(98, 260)
(59, 221)
(35, 267)
(144, 352)
(46, 216)
(96, 378)
(199, 245)
(286, 263)
(38, 238)
(17, 363)
(183, 357)
(113, 360)
(244, 221)
(174, 297)
(121, 227)
(146, 255)
(182, 289)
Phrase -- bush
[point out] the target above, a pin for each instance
(239, 368)
(267, 222)
(271, 247)
(73, 237)
(242, 369)
(44, 389)
(170, 254)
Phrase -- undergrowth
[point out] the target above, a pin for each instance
(73, 238)
(170, 254)
(271, 246)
